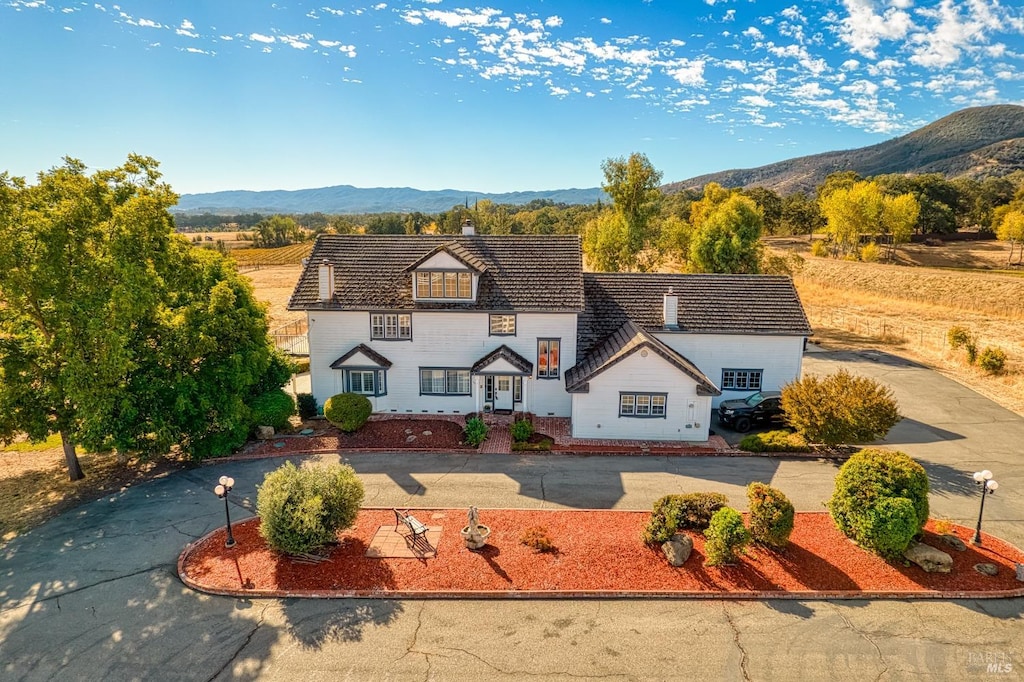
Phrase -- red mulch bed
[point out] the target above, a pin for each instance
(598, 552)
(389, 434)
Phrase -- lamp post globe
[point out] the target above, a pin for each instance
(988, 487)
(222, 489)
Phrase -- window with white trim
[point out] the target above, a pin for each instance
(643, 405)
(445, 382)
(741, 379)
(503, 325)
(547, 358)
(391, 326)
(441, 284)
(366, 381)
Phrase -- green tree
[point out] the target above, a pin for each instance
(633, 185)
(899, 215)
(275, 231)
(770, 204)
(800, 215)
(728, 240)
(863, 209)
(79, 262)
(606, 244)
(714, 195)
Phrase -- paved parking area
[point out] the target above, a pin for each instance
(93, 594)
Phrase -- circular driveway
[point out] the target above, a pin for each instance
(93, 594)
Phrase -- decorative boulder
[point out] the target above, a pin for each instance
(677, 549)
(930, 559)
(987, 569)
(954, 542)
(264, 432)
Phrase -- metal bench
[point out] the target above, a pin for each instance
(415, 526)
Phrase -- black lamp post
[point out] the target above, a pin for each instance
(988, 486)
(222, 491)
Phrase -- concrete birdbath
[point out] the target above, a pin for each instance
(475, 534)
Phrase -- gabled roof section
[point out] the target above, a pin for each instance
(372, 355)
(456, 251)
(618, 346)
(542, 273)
(708, 304)
(505, 353)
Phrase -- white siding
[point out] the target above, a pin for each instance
(441, 339)
(780, 357)
(596, 414)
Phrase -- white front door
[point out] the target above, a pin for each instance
(502, 393)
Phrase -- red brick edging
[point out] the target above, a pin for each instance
(748, 595)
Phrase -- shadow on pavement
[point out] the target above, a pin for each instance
(315, 622)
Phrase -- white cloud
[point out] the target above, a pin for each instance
(849, 65)
(187, 25)
(864, 28)
(941, 45)
(553, 22)
(380, 5)
(260, 38)
(148, 23)
(758, 101)
(68, 28)
(754, 32)
(183, 32)
(462, 17)
(687, 72)
(605, 20)
(559, 92)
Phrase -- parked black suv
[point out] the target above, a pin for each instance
(759, 408)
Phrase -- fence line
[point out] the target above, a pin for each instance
(292, 337)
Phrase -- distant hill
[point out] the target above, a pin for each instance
(976, 143)
(349, 199)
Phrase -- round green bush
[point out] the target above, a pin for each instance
(774, 441)
(302, 510)
(272, 408)
(888, 527)
(672, 512)
(475, 432)
(992, 360)
(348, 411)
(771, 515)
(307, 405)
(725, 538)
(521, 431)
(869, 478)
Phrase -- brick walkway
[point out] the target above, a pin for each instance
(499, 440)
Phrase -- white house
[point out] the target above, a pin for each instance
(441, 324)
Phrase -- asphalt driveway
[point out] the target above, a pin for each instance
(93, 594)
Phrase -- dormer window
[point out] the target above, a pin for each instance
(444, 284)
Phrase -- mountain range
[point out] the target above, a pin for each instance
(975, 142)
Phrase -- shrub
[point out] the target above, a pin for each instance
(672, 512)
(302, 510)
(774, 441)
(300, 365)
(725, 538)
(958, 337)
(537, 538)
(771, 515)
(841, 408)
(870, 253)
(475, 432)
(348, 411)
(992, 360)
(880, 500)
(307, 405)
(819, 249)
(943, 526)
(521, 431)
(272, 408)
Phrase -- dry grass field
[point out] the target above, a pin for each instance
(210, 239)
(909, 310)
(274, 285)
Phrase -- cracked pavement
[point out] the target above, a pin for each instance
(93, 594)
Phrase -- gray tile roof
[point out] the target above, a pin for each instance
(454, 249)
(370, 353)
(708, 304)
(522, 272)
(619, 345)
(505, 353)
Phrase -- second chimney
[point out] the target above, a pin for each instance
(468, 229)
(325, 278)
(670, 310)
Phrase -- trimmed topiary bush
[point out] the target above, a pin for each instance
(301, 510)
(272, 408)
(348, 411)
(866, 507)
(475, 432)
(725, 538)
(771, 515)
(840, 408)
(521, 431)
(774, 441)
(307, 405)
(673, 512)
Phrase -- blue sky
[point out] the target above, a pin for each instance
(506, 96)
